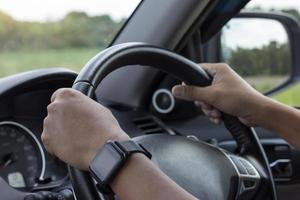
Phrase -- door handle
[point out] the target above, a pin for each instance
(282, 169)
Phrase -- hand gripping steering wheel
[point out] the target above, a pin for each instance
(205, 171)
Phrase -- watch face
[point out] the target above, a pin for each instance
(107, 161)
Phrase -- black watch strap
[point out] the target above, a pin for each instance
(129, 147)
(111, 158)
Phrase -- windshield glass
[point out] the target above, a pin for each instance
(57, 33)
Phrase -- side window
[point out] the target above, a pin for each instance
(258, 50)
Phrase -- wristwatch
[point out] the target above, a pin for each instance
(111, 158)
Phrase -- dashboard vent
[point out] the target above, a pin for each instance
(150, 125)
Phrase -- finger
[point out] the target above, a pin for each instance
(215, 113)
(54, 95)
(63, 93)
(206, 106)
(198, 104)
(210, 68)
(45, 137)
(46, 142)
(212, 113)
(206, 112)
(193, 93)
(246, 122)
(212, 119)
(215, 120)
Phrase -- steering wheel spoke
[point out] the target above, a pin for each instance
(249, 177)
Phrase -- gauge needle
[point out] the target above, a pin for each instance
(8, 159)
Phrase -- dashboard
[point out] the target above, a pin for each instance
(27, 167)
(24, 163)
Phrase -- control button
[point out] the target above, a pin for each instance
(248, 167)
(239, 165)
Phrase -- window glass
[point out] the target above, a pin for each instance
(57, 33)
(260, 55)
(290, 95)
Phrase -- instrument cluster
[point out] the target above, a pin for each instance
(24, 163)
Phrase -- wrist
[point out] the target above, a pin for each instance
(113, 157)
(266, 110)
(135, 162)
(119, 135)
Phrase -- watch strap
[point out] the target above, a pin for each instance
(129, 147)
(124, 149)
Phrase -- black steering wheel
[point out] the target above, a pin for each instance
(205, 171)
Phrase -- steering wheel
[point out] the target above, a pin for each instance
(205, 171)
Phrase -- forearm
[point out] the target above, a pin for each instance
(283, 120)
(141, 179)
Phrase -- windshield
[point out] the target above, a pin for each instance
(38, 34)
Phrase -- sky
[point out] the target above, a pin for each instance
(45, 10)
(275, 3)
(253, 33)
(258, 32)
(50, 10)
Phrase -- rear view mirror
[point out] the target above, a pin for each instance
(259, 50)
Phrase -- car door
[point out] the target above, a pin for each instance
(261, 48)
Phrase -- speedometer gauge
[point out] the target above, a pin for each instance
(22, 160)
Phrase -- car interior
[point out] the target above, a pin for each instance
(155, 49)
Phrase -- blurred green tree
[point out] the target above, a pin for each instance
(76, 30)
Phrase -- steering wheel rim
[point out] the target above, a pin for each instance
(142, 54)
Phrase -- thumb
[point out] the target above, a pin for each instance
(193, 93)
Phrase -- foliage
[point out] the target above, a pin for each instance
(268, 66)
(77, 29)
(271, 59)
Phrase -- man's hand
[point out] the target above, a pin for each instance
(228, 93)
(76, 127)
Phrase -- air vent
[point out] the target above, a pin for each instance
(150, 125)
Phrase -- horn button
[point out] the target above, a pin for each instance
(204, 170)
